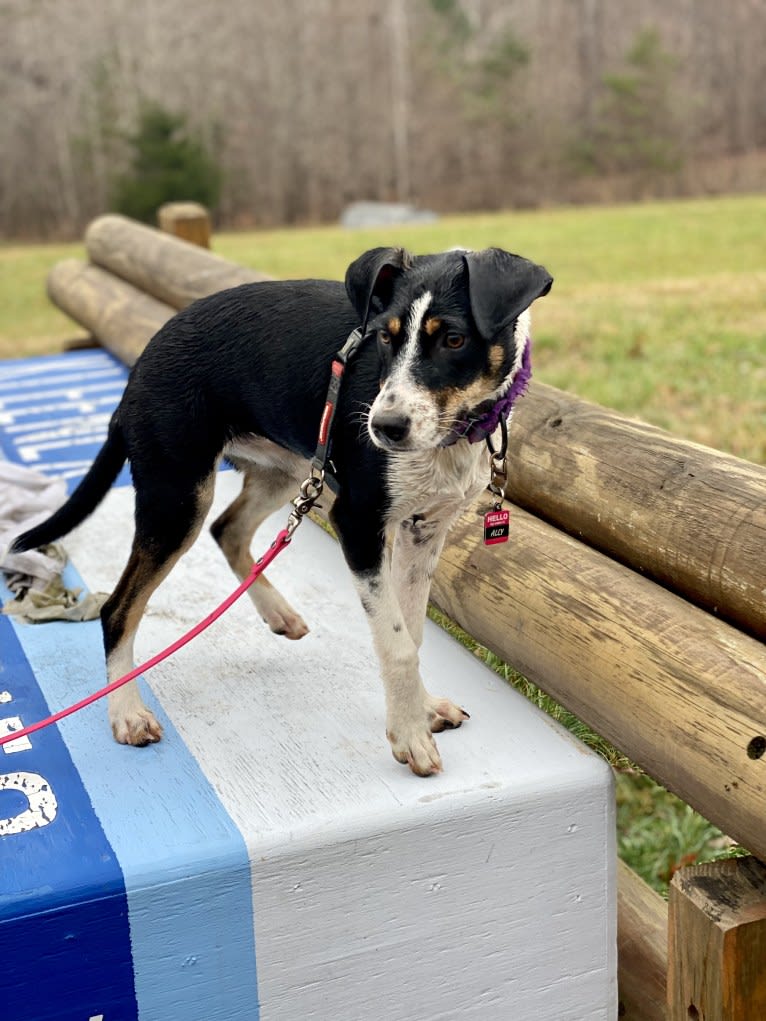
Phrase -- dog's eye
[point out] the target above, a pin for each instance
(384, 336)
(454, 341)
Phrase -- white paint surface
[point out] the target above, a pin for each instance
(487, 892)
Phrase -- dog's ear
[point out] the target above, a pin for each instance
(370, 279)
(501, 286)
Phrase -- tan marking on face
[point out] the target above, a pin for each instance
(432, 325)
(394, 326)
(496, 357)
(453, 400)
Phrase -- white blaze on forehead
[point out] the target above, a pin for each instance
(418, 310)
(401, 393)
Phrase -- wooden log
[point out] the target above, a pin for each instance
(167, 268)
(717, 942)
(680, 692)
(122, 318)
(642, 948)
(189, 221)
(692, 518)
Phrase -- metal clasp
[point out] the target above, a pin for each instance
(310, 491)
(498, 465)
(498, 476)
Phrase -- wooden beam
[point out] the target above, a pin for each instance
(692, 518)
(121, 317)
(681, 693)
(161, 265)
(642, 948)
(717, 942)
(189, 221)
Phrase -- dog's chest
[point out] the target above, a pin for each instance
(436, 483)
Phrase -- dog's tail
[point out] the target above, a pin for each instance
(86, 497)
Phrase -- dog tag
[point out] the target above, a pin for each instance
(496, 526)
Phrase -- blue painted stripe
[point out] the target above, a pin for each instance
(64, 934)
(185, 863)
(54, 410)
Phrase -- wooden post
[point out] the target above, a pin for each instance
(717, 942)
(642, 948)
(189, 221)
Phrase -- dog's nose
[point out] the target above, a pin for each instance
(391, 425)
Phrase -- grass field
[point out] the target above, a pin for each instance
(658, 310)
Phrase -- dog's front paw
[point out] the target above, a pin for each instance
(443, 714)
(138, 728)
(416, 748)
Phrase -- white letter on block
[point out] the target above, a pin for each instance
(42, 802)
(7, 726)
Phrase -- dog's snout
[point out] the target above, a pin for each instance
(391, 425)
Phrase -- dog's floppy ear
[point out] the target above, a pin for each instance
(370, 279)
(501, 286)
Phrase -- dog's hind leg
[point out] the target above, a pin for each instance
(264, 490)
(167, 523)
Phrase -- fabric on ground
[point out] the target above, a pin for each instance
(26, 498)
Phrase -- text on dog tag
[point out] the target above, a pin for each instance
(496, 527)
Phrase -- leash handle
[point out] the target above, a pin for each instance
(282, 540)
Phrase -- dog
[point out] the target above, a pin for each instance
(243, 375)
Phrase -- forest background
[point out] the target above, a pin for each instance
(448, 104)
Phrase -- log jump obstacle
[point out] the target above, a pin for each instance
(632, 592)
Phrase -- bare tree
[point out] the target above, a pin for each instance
(451, 103)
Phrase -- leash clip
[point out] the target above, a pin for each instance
(310, 491)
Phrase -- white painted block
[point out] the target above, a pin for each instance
(487, 892)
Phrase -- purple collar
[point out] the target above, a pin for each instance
(477, 429)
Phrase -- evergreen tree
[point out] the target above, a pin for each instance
(169, 164)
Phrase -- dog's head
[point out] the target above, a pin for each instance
(451, 332)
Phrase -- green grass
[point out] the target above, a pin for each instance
(658, 310)
(29, 323)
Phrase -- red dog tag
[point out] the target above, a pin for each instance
(496, 527)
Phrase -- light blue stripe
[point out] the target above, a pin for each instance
(185, 863)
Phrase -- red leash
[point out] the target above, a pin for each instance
(282, 540)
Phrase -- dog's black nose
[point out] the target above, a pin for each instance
(391, 426)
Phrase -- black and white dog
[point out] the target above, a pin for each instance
(243, 374)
